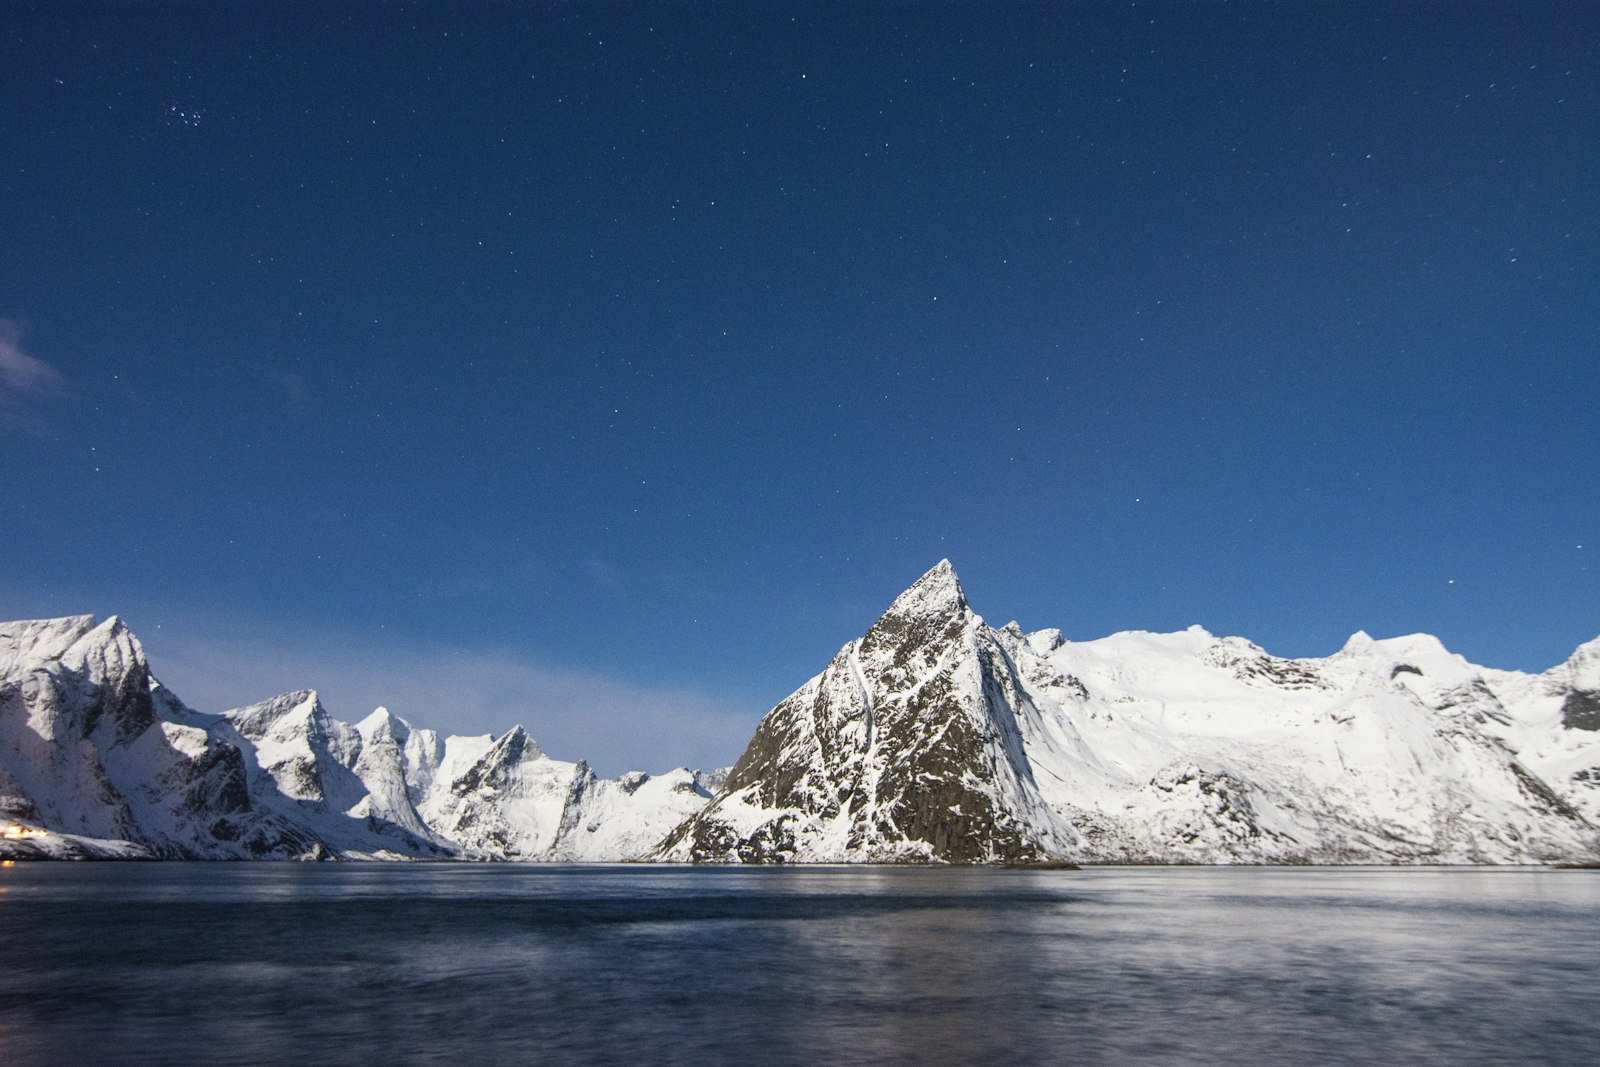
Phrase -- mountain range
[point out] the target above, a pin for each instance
(934, 737)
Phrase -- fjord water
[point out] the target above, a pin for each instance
(459, 963)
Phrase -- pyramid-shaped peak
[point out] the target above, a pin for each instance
(384, 723)
(109, 646)
(936, 592)
(512, 747)
(933, 601)
(1359, 641)
(942, 576)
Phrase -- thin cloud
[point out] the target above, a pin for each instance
(22, 374)
(573, 714)
(25, 382)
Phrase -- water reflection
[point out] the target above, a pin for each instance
(247, 963)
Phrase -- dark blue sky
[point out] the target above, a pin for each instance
(480, 359)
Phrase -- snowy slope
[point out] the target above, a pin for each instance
(932, 738)
(346, 784)
(503, 797)
(97, 759)
(1216, 751)
(94, 751)
(938, 737)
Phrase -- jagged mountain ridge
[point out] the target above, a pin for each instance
(938, 738)
(97, 759)
(932, 738)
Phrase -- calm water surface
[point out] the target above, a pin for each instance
(464, 964)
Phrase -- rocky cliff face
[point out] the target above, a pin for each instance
(907, 747)
(935, 737)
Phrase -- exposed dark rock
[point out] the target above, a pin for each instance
(1542, 794)
(1581, 710)
(906, 736)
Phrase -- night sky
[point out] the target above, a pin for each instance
(606, 368)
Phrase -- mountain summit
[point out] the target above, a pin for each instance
(937, 593)
(937, 738)
(907, 747)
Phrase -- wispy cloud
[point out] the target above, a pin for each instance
(24, 382)
(21, 373)
(573, 714)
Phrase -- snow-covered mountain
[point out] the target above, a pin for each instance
(503, 797)
(936, 737)
(97, 759)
